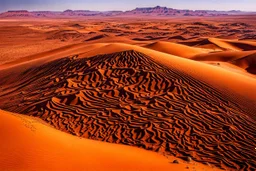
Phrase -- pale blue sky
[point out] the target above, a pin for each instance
(103, 5)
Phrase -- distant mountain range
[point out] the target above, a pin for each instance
(150, 11)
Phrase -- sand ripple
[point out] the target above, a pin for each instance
(129, 98)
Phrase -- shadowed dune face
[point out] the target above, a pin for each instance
(248, 63)
(97, 37)
(129, 98)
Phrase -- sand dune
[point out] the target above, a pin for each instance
(25, 141)
(65, 35)
(131, 98)
(224, 44)
(97, 37)
(203, 43)
(248, 63)
(149, 38)
(196, 69)
(223, 56)
(234, 44)
(243, 59)
(176, 49)
(28, 37)
(221, 44)
(183, 89)
(177, 38)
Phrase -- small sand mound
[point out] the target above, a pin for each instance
(177, 38)
(77, 26)
(65, 35)
(97, 37)
(149, 38)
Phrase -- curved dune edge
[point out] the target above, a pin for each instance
(248, 63)
(173, 49)
(221, 44)
(215, 76)
(235, 83)
(29, 144)
(234, 44)
(176, 49)
(224, 44)
(242, 62)
(223, 56)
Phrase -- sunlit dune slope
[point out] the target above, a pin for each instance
(239, 45)
(151, 100)
(176, 49)
(29, 144)
(223, 56)
(222, 44)
(245, 60)
(235, 83)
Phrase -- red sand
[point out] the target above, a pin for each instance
(124, 82)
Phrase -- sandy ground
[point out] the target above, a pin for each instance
(29, 140)
(183, 89)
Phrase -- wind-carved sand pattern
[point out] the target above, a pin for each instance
(129, 98)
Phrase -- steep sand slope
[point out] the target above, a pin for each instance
(176, 49)
(234, 60)
(223, 56)
(235, 44)
(222, 44)
(248, 63)
(153, 102)
(202, 43)
(231, 67)
(215, 76)
(212, 75)
(29, 144)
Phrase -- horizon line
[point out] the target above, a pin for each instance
(35, 10)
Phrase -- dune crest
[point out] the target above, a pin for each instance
(176, 49)
(248, 63)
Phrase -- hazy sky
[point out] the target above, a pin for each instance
(103, 5)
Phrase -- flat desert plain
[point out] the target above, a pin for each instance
(128, 93)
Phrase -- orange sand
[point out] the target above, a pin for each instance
(180, 88)
(29, 144)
